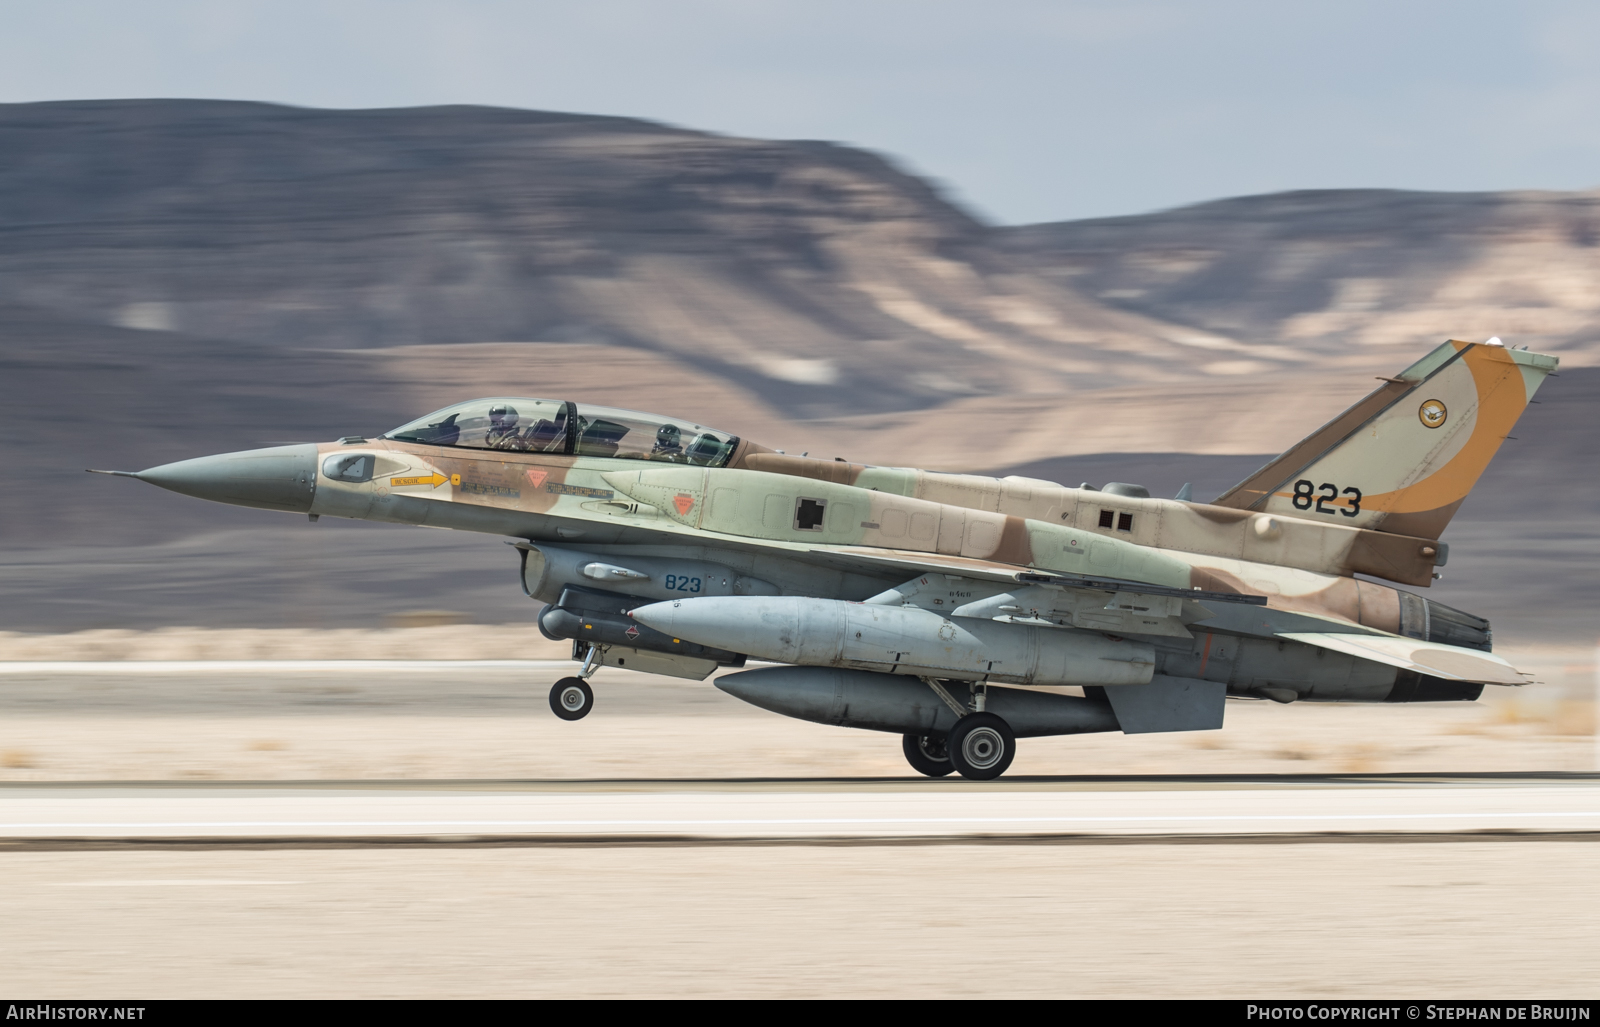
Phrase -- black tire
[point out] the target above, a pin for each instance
(571, 698)
(981, 746)
(927, 754)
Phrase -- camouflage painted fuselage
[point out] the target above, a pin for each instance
(952, 577)
(1369, 494)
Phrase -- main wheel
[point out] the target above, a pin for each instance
(927, 754)
(981, 746)
(571, 698)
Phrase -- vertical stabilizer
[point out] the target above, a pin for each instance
(1402, 459)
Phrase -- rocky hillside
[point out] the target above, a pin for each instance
(819, 279)
(194, 276)
(1337, 277)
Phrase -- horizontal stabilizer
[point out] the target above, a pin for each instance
(1431, 658)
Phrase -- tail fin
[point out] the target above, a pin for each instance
(1404, 458)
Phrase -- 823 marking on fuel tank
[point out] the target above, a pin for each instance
(682, 583)
(1307, 495)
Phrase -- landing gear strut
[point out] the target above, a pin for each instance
(927, 754)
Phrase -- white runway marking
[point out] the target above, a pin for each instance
(280, 812)
(773, 821)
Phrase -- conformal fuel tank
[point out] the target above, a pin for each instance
(900, 640)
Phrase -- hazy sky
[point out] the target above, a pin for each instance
(1025, 111)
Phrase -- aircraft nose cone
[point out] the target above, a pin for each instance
(280, 478)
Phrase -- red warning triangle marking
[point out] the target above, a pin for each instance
(683, 503)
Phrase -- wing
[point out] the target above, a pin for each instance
(1021, 595)
(1050, 599)
(877, 560)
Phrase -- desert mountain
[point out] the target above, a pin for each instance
(817, 279)
(1346, 277)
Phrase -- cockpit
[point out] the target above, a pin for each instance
(571, 429)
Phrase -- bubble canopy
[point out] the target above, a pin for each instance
(526, 425)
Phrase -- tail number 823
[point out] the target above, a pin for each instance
(1325, 498)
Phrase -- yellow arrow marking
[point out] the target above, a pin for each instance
(435, 479)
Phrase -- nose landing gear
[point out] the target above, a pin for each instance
(572, 698)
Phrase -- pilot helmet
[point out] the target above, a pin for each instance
(669, 436)
(503, 415)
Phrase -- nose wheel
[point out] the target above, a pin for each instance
(981, 746)
(571, 698)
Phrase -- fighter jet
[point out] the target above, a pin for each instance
(961, 612)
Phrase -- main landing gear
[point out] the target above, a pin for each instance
(980, 746)
(927, 754)
(572, 698)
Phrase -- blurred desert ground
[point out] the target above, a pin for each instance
(493, 723)
(1508, 914)
(184, 277)
(1347, 921)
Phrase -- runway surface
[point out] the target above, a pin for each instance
(709, 812)
(1131, 888)
(429, 829)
